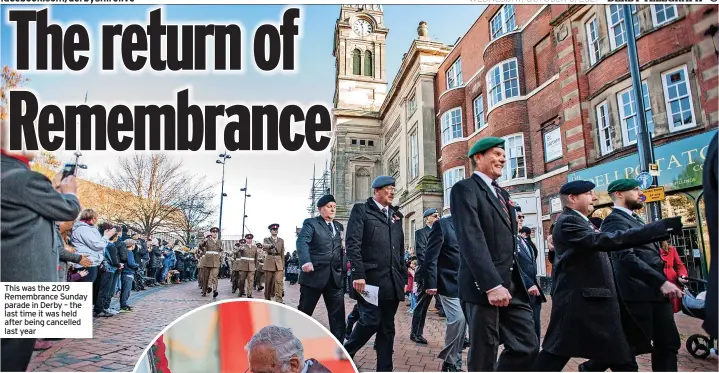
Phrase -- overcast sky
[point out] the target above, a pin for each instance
(279, 182)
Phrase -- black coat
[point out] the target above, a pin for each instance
(486, 239)
(316, 245)
(585, 320)
(375, 248)
(711, 169)
(420, 246)
(442, 258)
(526, 258)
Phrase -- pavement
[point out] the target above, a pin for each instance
(119, 341)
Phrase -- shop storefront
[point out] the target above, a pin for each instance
(680, 174)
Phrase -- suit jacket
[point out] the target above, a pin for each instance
(275, 260)
(487, 240)
(711, 169)
(526, 258)
(584, 295)
(30, 206)
(420, 246)
(639, 270)
(375, 248)
(316, 245)
(442, 258)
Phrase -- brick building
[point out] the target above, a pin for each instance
(553, 80)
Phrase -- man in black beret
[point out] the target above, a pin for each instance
(320, 251)
(490, 284)
(642, 285)
(585, 319)
(375, 247)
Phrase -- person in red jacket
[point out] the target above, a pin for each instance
(674, 269)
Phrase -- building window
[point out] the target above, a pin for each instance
(678, 98)
(354, 141)
(368, 67)
(593, 41)
(449, 178)
(479, 113)
(370, 143)
(451, 125)
(503, 82)
(662, 14)
(411, 104)
(362, 142)
(628, 116)
(604, 125)
(413, 155)
(362, 184)
(454, 74)
(617, 30)
(515, 168)
(503, 22)
(412, 229)
(356, 62)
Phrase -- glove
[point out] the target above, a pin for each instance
(673, 225)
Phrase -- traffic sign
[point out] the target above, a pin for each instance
(653, 194)
(645, 180)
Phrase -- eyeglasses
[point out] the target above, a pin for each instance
(520, 217)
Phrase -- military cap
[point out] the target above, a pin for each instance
(382, 181)
(485, 144)
(237, 244)
(429, 212)
(249, 236)
(214, 229)
(576, 187)
(242, 240)
(621, 185)
(325, 200)
(273, 226)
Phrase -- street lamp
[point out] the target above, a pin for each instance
(244, 207)
(224, 157)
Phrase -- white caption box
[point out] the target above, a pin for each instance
(46, 309)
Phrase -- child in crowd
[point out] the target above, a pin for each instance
(411, 286)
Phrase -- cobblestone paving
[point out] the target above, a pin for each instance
(120, 340)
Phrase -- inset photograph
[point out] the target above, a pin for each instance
(245, 336)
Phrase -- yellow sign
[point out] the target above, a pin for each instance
(654, 194)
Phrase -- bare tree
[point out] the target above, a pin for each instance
(193, 213)
(154, 189)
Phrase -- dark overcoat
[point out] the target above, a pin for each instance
(316, 245)
(442, 258)
(585, 320)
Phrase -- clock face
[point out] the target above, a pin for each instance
(361, 27)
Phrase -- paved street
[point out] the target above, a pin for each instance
(120, 340)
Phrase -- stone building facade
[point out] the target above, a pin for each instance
(553, 80)
(381, 131)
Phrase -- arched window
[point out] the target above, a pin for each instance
(356, 62)
(362, 184)
(368, 64)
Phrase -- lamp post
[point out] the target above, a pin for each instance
(244, 207)
(224, 157)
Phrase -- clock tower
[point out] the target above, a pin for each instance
(360, 89)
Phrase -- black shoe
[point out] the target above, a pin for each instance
(420, 339)
(214, 295)
(447, 367)
(412, 338)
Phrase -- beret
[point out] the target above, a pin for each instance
(576, 187)
(325, 200)
(382, 181)
(485, 144)
(214, 229)
(622, 185)
(429, 212)
(273, 226)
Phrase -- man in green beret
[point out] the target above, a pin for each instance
(642, 285)
(490, 282)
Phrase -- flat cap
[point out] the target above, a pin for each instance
(485, 144)
(249, 236)
(621, 185)
(214, 229)
(273, 226)
(382, 181)
(429, 212)
(576, 187)
(325, 200)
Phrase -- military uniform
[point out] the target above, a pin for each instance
(274, 265)
(260, 272)
(201, 277)
(234, 268)
(245, 263)
(210, 250)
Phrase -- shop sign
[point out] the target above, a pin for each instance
(680, 166)
(653, 195)
(555, 205)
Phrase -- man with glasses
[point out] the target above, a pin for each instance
(375, 248)
(420, 245)
(274, 264)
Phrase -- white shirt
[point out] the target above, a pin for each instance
(487, 180)
(580, 214)
(382, 207)
(332, 226)
(626, 210)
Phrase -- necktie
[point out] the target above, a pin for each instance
(638, 218)
(500, 196)
(331, 230)
(384, 211)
